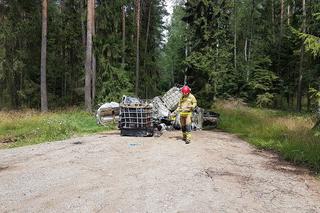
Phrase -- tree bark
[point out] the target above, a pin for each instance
(280, 37)
(146, 48)
(123, 36)
(299, 92)
(281, 18)
(88, 62)
(245, 49)
(43, 86)
(308, 99)
(288, 14)
(251, 31)
(83, 30)
(272, 21)
(148, 26)
(186, 52)
(246, 58)
(94, 63)
(235, 37)
(137, 46)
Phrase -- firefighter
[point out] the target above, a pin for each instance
(186, 106)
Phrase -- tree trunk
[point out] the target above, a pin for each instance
(272, 11)
(148, 26)
(246, 58)
(137, 46)
(83, 30)
(299, 92)
(88, 62)
(251, 31)
(172, 72)
(288, 14)
(280, 45)
(272, 21)
(281, 18)
(245, 49)
(186, 52)
(280, 37)
(235, 37)
(318, 111)
(146, 48)
(123, 36)
(43, 86)
(94, 72)
(308, 99)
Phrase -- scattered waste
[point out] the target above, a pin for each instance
(159, 108)
(141, 118)
(133, 144)
(108, 112)
(171, 98)
(130, 100)
(211, 119)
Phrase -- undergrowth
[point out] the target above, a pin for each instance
(290, 135)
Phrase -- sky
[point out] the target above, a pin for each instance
(167, 19)
(169, 7)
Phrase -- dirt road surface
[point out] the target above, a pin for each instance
(107, 173)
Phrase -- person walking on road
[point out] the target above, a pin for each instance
(186, 106)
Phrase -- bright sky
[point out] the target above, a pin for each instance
(169, 7)
(167, 19)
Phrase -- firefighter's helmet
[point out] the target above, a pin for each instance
(185, 90)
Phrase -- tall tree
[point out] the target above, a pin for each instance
(146, 45)
(94, 62)
(235, 36)
(138, 7)
(299, 92)
(88, 62)
(123, 36)
(44, 96)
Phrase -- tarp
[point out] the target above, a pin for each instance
(107, 112)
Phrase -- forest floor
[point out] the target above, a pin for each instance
(217, 172)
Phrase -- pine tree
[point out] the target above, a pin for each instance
(88, 63)
(44, 98)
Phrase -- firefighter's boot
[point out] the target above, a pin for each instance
(184, 133)
(188, 134)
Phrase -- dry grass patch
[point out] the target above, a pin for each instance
(290, 135)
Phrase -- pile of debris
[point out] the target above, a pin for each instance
(138, 117)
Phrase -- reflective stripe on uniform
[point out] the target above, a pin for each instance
(185, 114)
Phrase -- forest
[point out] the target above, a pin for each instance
(246, 140)
(65, 53)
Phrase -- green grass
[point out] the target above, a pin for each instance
(30, 127)
(290, 135)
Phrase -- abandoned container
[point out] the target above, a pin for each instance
(136, 120)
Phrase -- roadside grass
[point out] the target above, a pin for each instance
(31, 127)
(288, 134)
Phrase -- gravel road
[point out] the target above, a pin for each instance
(217, 172)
